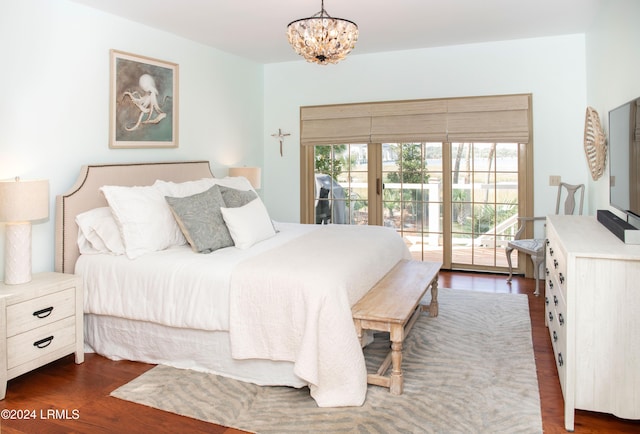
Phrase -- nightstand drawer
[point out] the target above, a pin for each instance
(40, 311)
(40, 342)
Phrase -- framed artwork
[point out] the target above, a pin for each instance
(143, 102)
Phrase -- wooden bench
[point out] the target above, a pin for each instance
(393, 305)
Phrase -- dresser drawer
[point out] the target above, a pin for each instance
(556, 309)
(556, 320)
(560, 354)
(556, 265)
(40, 311)
(40, 342)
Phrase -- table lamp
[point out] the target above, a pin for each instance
(21, 202)
(251, 173)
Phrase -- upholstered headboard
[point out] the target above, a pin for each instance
(86, 195)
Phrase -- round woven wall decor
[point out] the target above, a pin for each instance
(595, 143)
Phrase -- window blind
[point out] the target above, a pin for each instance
(500, 118)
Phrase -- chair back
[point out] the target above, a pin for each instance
(569, 192)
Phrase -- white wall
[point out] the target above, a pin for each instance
(551, 69)
(613, 72)
(54, 110)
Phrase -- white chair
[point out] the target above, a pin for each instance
(535, 247)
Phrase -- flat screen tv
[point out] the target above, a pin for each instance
(624, 160)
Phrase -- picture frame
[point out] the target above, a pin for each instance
(143, 102)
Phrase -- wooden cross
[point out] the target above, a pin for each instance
(280, 136)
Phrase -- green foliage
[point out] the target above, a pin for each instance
(414, 166)
(329, 160)
(413, 171)
(485, 217)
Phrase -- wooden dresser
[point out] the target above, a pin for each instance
(41, 321)
(592, 292)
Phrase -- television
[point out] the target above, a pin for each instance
(624, 160)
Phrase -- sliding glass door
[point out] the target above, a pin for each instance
(455, 203)
(484, 203)
(412, 199)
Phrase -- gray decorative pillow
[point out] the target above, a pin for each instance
(201, 221)
(234, 198)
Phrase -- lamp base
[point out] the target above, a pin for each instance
(17, 257)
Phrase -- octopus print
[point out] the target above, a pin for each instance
(144, 104)
(147, 102)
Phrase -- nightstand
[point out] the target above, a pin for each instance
(41, 321)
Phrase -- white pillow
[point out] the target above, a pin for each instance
(184, 189)
(98, 232)
(144, 218)
(248, 224)
(189, 188)
(237, 182)
(87, 248)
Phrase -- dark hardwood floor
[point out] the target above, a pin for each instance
(68, 398)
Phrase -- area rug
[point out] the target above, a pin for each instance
(469, 370)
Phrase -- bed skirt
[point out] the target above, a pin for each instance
(199, 350)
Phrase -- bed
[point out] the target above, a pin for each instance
(273, 308)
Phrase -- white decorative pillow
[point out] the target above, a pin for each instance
(144, 218)
(248, 224)
(98, 232)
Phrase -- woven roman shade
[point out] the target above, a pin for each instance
(407, 121)
(501, 118)
(348, 123)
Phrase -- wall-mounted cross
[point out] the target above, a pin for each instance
(280, 136)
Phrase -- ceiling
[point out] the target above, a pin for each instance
(255, 29)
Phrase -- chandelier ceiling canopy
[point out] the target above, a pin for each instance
(321, 38)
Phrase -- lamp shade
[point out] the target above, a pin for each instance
(22, 201)
(251, 173)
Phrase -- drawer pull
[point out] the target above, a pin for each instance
(43, 313)
(550, 251)
(555, 300)
(546, 301)
(555, 336)
(560, 319)
(547, 270)
(550, 316)
(555, 263)
(550, 284)
(561, 278)
(43, 343)
(560, 359)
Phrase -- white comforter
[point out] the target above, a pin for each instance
(294, 303)
(286, 298)
(173, 287)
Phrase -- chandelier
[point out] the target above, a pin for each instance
(321, 38)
